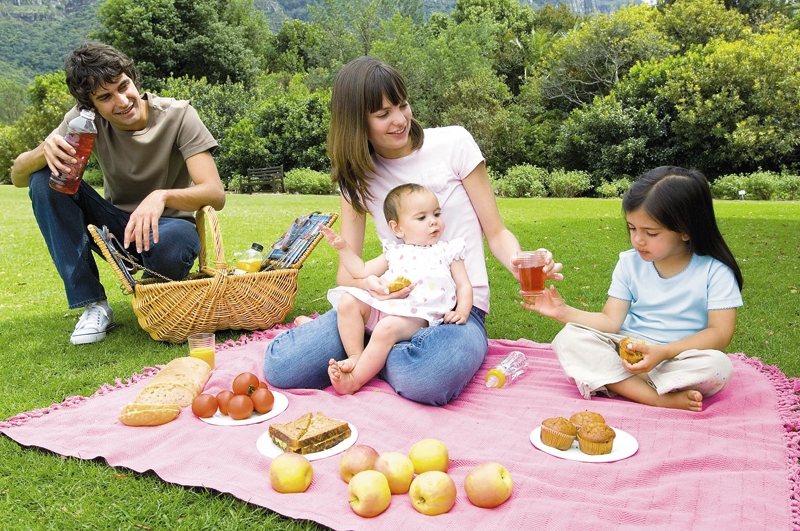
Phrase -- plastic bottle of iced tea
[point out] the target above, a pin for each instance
(81, 133)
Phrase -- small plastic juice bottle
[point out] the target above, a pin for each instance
(508, 370)
(250, 261)
(81, 133)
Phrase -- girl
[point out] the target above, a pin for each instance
(677, 289)
(374, 145)
(436, 272)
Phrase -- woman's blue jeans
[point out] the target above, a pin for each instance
(432, 368)
(63, 218)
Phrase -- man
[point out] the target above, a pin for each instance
(155, 154)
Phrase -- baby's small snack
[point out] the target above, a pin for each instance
(398, 284)
(558, 432)
(631, 356)
(596, 439)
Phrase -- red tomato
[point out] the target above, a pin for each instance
(262, 399)
(240, 407)
(245, 384)
(204, 406)
(262, 385)
(223, 397)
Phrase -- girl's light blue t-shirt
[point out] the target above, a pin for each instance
(668, 309)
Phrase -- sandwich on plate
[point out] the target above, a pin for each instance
(309, 434)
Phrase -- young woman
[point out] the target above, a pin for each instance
(374, 145)
(676, 293)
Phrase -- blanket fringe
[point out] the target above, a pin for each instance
(72, 401)
(787, 390)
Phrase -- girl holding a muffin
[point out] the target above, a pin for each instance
(673, 298)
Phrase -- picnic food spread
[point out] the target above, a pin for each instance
(309, 434)
(594, 436)
(631, 356)
(398, 284)
(174, 387)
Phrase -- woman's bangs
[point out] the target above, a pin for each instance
(383, 83)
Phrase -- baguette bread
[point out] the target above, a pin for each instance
(309, 434)
(175, 386)
(148, 414)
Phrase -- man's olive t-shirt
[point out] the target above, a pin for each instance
(135, 163)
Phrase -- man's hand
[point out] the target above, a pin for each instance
(144, 220)
(58, 153)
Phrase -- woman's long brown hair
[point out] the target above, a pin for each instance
(359, 89)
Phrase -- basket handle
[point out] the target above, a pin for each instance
(207, 213)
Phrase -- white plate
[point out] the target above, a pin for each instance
(278, 407)
(265, 445)
(625, 445)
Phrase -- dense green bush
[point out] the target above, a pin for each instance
(728, 186)
(761, 185)
(788, 187)
(522, 181)
(308, 181)
(615, 188)
(562, 183)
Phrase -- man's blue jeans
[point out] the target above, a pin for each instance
(63, 218)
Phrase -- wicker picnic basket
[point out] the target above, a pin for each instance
(212, 298)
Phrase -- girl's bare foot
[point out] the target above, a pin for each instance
(689, 400)
(301, 320)
(343, 382)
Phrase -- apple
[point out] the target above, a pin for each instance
(398, 469)
(488, 485)
(433, 493)
(369, 493)
(290, 472)
(429, 454)
(355, 459)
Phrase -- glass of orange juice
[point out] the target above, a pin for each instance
(531, 271)
(201, 346)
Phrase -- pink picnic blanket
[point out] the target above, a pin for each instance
(733, 467)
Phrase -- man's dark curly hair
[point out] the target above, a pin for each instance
(92, 65)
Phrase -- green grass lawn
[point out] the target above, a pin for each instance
(39, 367)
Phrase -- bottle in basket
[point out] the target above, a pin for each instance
(250, 261)
(81, 133)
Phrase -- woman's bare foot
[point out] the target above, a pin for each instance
(343, 382)
(689, 399)
(301, 320)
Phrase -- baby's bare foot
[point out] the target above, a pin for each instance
(301, 320)
(347, 365)
(343, 382)
(333, 370)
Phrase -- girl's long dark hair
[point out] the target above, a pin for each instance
(680, 200)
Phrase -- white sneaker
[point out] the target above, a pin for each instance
(93, 324)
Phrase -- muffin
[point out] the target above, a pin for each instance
(558, 433)
(582, 418)
(596, 439)
(631, 356)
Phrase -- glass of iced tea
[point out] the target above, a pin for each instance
(531, 271)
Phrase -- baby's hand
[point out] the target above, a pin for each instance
(335, 241)
(454, 317)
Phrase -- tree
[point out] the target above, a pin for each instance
(690, 22)
(216, 39)
(592, 59)
(50, 99)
